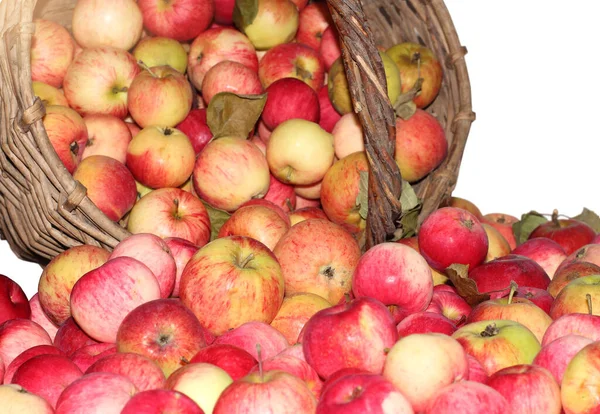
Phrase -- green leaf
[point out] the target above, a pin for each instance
(362, 199)
(229, 114)
(217, 219)
(411, 207)
(529, 221)
(244, 13)
(590, 218)
(408, 198)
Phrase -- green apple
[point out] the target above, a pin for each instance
(267, 23)
(573, 298)
(159, 51)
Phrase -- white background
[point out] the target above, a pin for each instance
(535, 78)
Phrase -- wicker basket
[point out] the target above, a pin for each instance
(44, 211)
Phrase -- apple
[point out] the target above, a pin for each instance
(18, 335)
(98, 80)
(292, 60)
(425, 322)
(498, 344)
(13, 301)
(310, 191)
(495, 276)
(159, 95)
(230, 76)
(85, 356)
(47, 375)
(313, 20)
(70, 337)
(295, 366)
(67, 133)
(460, 397)
(589, 253)
(572, 298)
(571, 234)
(195, 127)
(421, 145)
(348, 136)
(318, 256)
(295, 311)
(113, 23)
(302, 202)
(416, 61)
(158, 51)
(582, 324)
(546, 252)
(230, 281)
(419, 365)
(497, 244)
(250, 334)
(182, 251)
(301, 214)
(329, 48)
(267, 23)
(48, 94)
(354, 334)
(234, 360)
(107, 135)
(39, 316)
(289, 98)
(133, 128)
(102, 298)
(394, 274)
(556, 355)
(52, 52)
(460, 202)
(328, 114)
(568, 272)
(453, 235)
(109, 183)
(104, 391)
(158, 401)
(438, 278)
(224, 12)
(503, 223)
(452, 306)
(280, 194)
(200, 381)
(154, 252)
(141, 370)
(270, 205)
(230, 171)
(216, 45)
(476, 370)
(579, 387)
(180, 20)
(16, 399)
(27, 355)
(539, 297)
(270, 391)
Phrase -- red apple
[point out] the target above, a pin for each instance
(133, 128)
(556, 355)
(330, 48)
(476, 370)
(195, 127)
(67, 133)
(292, 60)
(181, 20)
(70, 337)
(159, 401)
(394, 274)
(230, 76)
(452, 235)
(281, 194)
(295, 311)
(39, 316)
(416, 61)
(249, 334)
(234, 360)
(109, 185)
(107, 135)
(421, 145)
(589, 253)
(159, 95)
(224, 12)
(182, 251)
(343, 373)
(546, 252)
(302, 202)
(154, 252)
(460, 396)
(52, 52)
(318, 256)
(582, 324)
(271, 391)
(452, 306)
(306, 213)
(503, 223)
(18, 335)
(113, 23)
(98, 80)
(87, 355)
(216, 45)
(25, 356)
(102, 298)
(312, 22)
(13, 301)
(568, 272)
(142, 371)
(571, 234)
(539, 297)
(348, 136)
(425, 322)
(289, 98)
(328, 115)
(268, 204)
(353, 334)
(104, 391)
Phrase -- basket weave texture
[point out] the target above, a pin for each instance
(44, 211)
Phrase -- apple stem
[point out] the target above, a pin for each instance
(146, 67)
(490, 330)
(513, 290)
(246, 260)
(555, 217)
(260, 361)
(588, 297)
(184, 360)
(289, 205)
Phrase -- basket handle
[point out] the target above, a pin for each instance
(366, 81)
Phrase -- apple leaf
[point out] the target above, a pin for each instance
(229, 114)
(217, 219)
(244, 13)
(409, 218)
(362, 199)
(465, 287)
(529, 221)
(590, 218)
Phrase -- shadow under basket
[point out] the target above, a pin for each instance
(44, 211)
